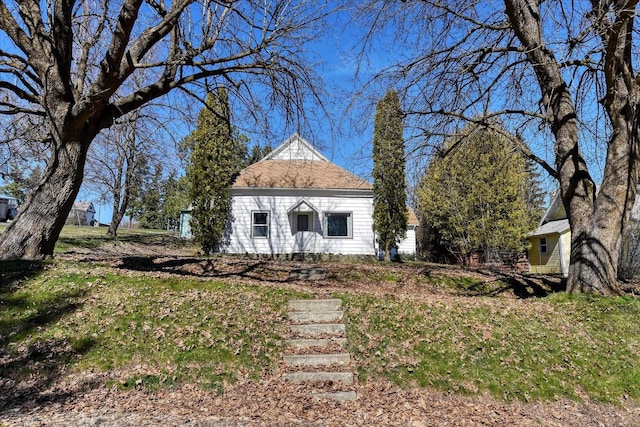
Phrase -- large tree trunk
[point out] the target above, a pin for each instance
(34, 232)
(594, 257)
(597, 218)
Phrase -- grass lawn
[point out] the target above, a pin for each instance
(539, 349)
(449, 331)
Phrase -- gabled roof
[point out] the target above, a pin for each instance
(552, 227)
(555, 210)
(302, 206)
(296, 164)
(295, 148)
(412, 219)
(83, 206)
(298, 174)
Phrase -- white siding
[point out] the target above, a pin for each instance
(408, 245)
(283, 239)
(296, 149)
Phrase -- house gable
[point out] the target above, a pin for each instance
(295, 148)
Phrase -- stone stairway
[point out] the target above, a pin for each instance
(316, 352)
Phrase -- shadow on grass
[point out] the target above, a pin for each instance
(94, 242)
(29, 365)
(12, 273)
(199, 267)
(523, 285)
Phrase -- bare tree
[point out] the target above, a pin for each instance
(117, 159)
(68, 62)
(561, 72)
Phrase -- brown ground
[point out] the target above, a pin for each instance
(271, 402)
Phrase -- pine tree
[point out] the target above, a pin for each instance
(216, 158)
(475, 197)
(390, 199)
(257, 153)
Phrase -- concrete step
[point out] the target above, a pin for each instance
(313, 273)
(318, 330)
(308, 343)
(315, 316)
(337, 395)
(317, 359)
(315, 304)
(298, 377)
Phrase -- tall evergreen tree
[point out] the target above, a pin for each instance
(151, 200)
(476, 198)
(216, 158)
(390, 199)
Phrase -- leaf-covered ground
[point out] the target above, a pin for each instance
(123, 333)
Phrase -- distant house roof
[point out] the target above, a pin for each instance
(83, 206)
(412, 218)
(296, 164)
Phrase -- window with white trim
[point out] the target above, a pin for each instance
(260, 225)
(338, 225)
(544, 246)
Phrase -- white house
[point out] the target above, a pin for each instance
(82, 213)
(295, 200)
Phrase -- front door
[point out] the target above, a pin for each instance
(303, 232)
(302, 222)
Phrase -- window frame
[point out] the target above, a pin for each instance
(543, 245)
(267, 224)
(325, 223)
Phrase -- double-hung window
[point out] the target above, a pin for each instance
(338, 225)
(544, 246)
(260, 224)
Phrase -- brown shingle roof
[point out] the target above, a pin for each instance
(412, 219)
(298, 174)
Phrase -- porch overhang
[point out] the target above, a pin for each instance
(302, 206)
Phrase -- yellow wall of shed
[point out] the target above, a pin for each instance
(550, 263)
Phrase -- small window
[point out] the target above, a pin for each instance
(260, 225)
(544, 248)
(337, 225)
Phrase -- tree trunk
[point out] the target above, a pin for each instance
(594, 260)
(119, 209)
(34, 232)
(116, 219)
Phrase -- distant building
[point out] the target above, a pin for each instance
(82, 213)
